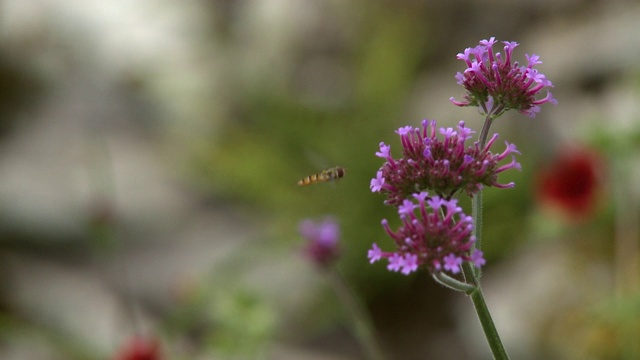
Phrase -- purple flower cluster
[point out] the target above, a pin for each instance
(438, 237)
(435, 234)
(442, 166)
(322, 247)
(494, 84)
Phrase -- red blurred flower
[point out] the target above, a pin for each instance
(139, 348)
(571, 183)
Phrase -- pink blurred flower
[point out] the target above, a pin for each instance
(322, 246)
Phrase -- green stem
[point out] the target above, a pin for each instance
(488, 327)
(452, 283)
(476, 201)
(484, 133)
(363, 326)
(476, 213)
(472, 274)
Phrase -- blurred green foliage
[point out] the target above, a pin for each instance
(16, 334)
(278, 139)
(225, 320)
(605, 330)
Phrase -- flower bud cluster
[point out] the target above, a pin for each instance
(495, 84)
(442, 166)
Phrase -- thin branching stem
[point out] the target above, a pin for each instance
(363, 325)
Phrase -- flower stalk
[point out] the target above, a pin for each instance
(322, 249)
(435, 234)
(484, 316)
(451, 283)
(361, 320)
(477, 200)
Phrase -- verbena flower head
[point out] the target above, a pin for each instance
(442, 165)
(427, 239)
(322, 246)
(495, 84)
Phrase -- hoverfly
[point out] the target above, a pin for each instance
(331, 174)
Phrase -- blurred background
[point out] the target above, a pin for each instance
(150, 149)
